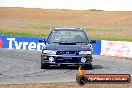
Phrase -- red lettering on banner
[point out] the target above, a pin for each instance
(1, 43)
(115, 48)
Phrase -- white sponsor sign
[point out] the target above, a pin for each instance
(116, 48)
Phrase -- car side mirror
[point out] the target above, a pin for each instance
(44, 40)
(92, 41)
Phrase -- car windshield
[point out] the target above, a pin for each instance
(67, 36)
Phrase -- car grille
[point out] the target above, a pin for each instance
(63, 60)
(67, 52)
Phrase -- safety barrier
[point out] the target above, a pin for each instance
(20, 42)
(32, 43)
(116, 48)
(101, 47)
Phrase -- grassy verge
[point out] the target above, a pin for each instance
(113, 39)
(44, 35)
(98, 24)
(42, 30)
(21, 34)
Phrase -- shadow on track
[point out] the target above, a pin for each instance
(73, 67)
(97, 66)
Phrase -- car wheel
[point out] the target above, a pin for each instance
(44, 66)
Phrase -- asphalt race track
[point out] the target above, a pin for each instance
(23, 66)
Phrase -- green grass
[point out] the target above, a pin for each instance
(45, 35)
(98, 24)
(42, 30)
(112, 39)
(22, 34)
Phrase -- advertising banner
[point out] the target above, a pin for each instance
(19, 42)
(32, 43)
(116, 48)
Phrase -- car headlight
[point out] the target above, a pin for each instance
(49, 52)
(85, 52)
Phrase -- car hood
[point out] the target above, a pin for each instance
(67, 47)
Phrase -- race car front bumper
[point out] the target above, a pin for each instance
(66, 59)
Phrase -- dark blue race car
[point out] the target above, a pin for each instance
(67, 46)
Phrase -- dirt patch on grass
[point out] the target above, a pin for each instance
(66, 85)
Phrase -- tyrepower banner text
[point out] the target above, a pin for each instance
(18, 42)
(32, 43)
